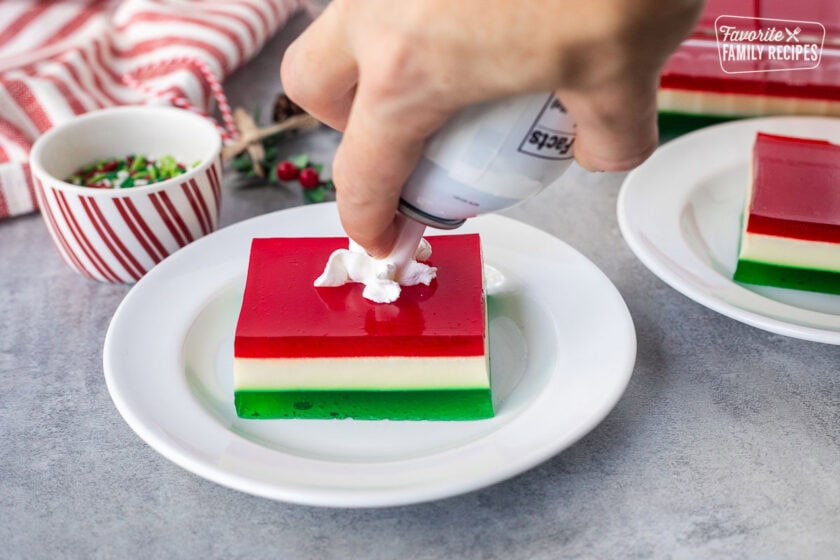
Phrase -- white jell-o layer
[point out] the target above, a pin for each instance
(787, 251)
(732, 104)
(377, 373)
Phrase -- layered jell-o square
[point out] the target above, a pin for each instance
(307, 352)
(791, 225)
(715, 75)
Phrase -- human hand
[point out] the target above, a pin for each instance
(388, 74)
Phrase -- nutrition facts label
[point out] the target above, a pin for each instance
(552, 134)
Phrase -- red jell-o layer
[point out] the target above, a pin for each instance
(796, 188)
(284, 316)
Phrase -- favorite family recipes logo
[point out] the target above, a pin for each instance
(751, 44)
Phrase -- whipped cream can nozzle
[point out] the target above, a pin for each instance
(489, 157)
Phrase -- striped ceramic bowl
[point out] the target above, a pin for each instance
(117, 235)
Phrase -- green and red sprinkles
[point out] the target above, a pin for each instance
(127, 172)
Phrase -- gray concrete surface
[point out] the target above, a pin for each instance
(726, 443)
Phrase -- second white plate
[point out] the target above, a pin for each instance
(680, 214)
(562, 351)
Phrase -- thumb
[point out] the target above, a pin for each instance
(616, 126)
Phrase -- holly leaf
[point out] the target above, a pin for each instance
(318, 167)
(328, 185)
(272, 174)
(300, 161)
(270, 153)
(314, 195)
(242, 162)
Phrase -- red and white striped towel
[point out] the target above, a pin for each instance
(59, 59)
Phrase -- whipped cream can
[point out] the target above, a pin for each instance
(489, 157)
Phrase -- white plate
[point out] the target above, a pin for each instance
(562, 351)
(680, 214)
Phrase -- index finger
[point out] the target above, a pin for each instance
(382, 143)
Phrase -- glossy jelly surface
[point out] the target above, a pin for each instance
(284, 316)
(796, 189)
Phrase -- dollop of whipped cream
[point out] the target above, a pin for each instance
(383, 278)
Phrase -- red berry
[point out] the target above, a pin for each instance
(286, 170)
(309, 178)
(110, 166)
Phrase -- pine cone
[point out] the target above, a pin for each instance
(285, 108)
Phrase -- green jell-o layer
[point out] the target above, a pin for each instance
(752, 272)
(435, 404)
